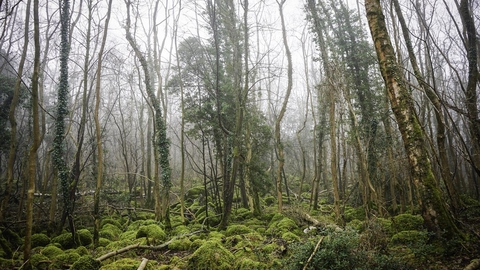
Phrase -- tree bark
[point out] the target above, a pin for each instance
(434, 211)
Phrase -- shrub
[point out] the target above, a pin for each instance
(354, 213)
(40, 240)
(411, 237)
(211, 255)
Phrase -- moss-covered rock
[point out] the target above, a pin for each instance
(269, 200)
(211, 255)
(351, 213)
(110, 231)
(246, 263)
(124, 264)
(103, 242)
(40, 240)
(194, 193)
(65, 260)
(180, 244)
(38, 261)
(152, 232)
(242, 214)
(407, 222)
(112, 221)
(85, 237)
(134, 226)
(86, 263)
(82, 251)
(180, 229)
(65, 240)
(128, 235)
(51, 251)
(290, 237)
(236, 229)
(410, 237)
(280, 225)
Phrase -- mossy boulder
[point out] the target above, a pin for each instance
(180, 229)
(152, 232)
(280, 225)
(110, 231)
(407, 222)
(410, 237)
(236, 229)
(269, 200)
(51, 251)
(128, 235)
(112, 221)
(38, 261)
(180, 244)
(65, 260)
(351, 213)
(211, 255)
(86, 263)
(242, 214)
(290, 237)
(248, 264)
(134, 226)
(85, 237)
(126, 264)
(82, 251)
(65, 240)
(40, 240)
(194, 193)
(103, 242)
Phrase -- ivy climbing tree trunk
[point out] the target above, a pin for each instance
(434, 211)
(62, 112)
(98, 131)
(32, 154)
(161, 142)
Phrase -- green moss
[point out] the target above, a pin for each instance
(85, 237)
(86, 263)
(51, 251)
(351, 213)
(387, 226)
(270, 248)
(269, 200)
(103, 242)
(110, 231)
(118, 244)
(410, 237)
(180, 244)
(355, 224)
(290, 237)
(152, 232)
(122, 264)
(197, 243)
(139, 223)
(211, 255)
(65, 240)
(112, 221)
(215, 234)
(180, 229)
(407, 222)
(236, 229)
(248, 264)
(40, 240)
(279, 226)
(38, 261)
(242, 214)
(82, 251)
(128, 235)
(64, 260)
(194, 192)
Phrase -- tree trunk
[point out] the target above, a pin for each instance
(98, 131)
(32, 155)
(278, 141)
(13, 120)
(434, 211)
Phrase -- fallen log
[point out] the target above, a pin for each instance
(143, 264)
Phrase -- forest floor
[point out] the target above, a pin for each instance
(297, 238)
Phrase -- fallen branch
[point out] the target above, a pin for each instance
(143, 264)
(138, 246)
(474, 264)
(313, 253)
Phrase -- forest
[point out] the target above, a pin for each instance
(239, 134)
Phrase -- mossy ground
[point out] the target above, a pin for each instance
(269, 241)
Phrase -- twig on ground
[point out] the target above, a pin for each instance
(313, 253)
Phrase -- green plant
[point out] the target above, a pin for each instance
(211, 255)
(40, 240)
